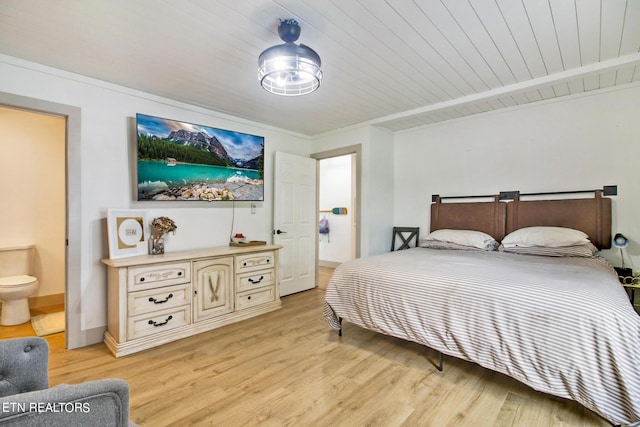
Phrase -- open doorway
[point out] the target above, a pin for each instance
(338, 187)
(336, 201)
(34, 153)
(74, 335)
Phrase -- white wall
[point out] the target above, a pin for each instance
(334, 190)
(107, 141)
(378, 190)
(33, 192)
(581, 142)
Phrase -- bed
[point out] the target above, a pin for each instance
(561, 324)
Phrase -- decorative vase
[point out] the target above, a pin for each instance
(156, 245)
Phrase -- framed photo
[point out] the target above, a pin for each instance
(127, 230)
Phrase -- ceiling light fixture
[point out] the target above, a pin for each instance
(289, 69)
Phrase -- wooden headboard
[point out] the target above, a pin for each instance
(498, 218)
(592, 216)
(488, 217)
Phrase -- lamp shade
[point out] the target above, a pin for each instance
(619, 241)
(289, 69)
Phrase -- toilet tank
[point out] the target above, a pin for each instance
(16, 260)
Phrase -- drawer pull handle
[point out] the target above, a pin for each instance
(142, 279)
(154, 323)
(155, 301)
(179, 273)
(256, 281)
(249, 297)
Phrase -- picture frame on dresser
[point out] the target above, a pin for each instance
(127, 231)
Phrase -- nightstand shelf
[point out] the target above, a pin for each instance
(631, 289)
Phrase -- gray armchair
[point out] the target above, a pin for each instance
(26, 399)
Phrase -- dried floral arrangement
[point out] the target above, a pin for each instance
(162, 225)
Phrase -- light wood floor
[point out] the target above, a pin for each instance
(287, 368)
(25, 329)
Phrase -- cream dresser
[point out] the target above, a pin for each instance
(156, 299)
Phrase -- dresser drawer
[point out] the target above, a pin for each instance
(256, 297)
(157, 322)
(153, 276)
(153, 300)
(255, 279)
(257, 261)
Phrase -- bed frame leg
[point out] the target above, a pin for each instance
(340, 330)
(441, 362)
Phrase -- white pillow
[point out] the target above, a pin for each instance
(587, 250)
(476, 239)
(439, 244)
(551, 237)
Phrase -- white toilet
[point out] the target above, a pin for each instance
(16, 283)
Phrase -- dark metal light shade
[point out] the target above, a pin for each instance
(619, 241)
(289, 69)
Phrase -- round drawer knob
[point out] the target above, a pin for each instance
(142, 279)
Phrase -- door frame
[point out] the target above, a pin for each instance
(337, 152)
(74, 335)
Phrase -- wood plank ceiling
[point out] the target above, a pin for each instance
(392, 63)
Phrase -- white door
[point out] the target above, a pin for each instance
(294, 221)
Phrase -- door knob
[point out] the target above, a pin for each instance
(278, 231)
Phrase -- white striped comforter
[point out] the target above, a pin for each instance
(563, 326)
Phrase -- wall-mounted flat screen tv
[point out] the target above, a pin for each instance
(184, 161)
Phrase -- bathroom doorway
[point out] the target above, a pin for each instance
(336, 201)
(339, 182)
(33, 174)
